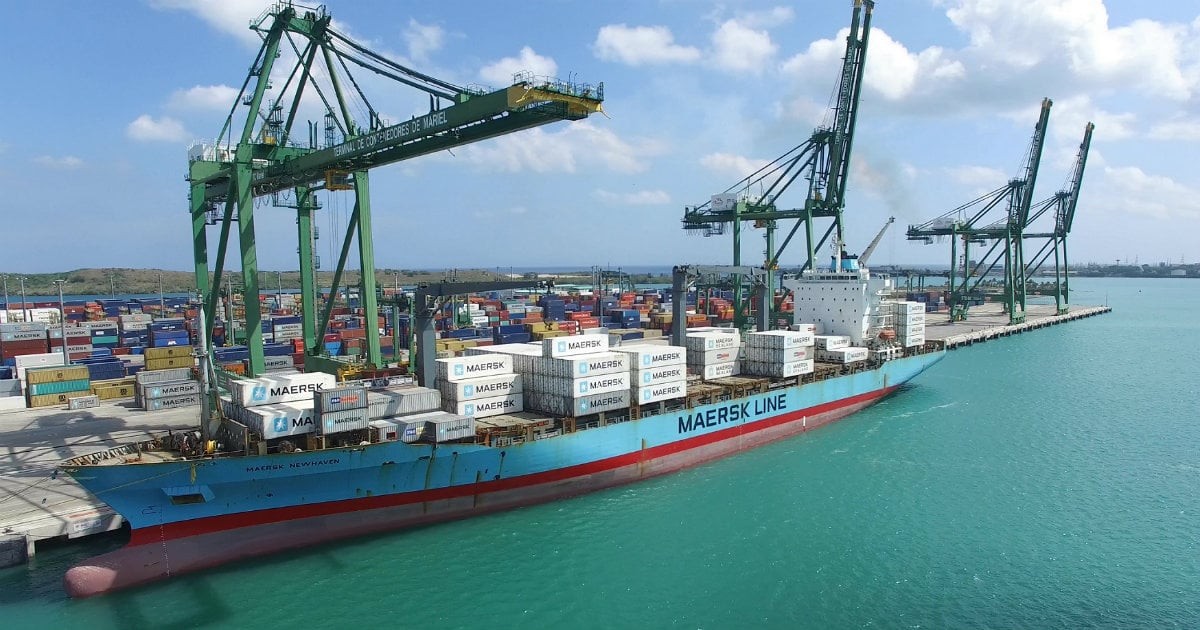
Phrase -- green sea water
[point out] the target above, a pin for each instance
(1045, 480)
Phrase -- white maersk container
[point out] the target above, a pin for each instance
(644, 355)
(522, 354)
(582, 365)
(574, 345)
(832, 342)
(779, 370)
(778, 355)
(913, 341)
(486, 387)
(660, 392)
(346, 420)
(701, 342)
(279, 388)
(276, 421)
(717, 370)
(484, 407)
(475, 366)
(660, 375)
(842, 355)
(711, 357)
(779, 339)
(805, 328)
(909, 309)
(586, 386)
(576, 406)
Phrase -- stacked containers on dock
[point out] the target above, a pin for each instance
(476, 370)
(779, 353)
(11, 391)
(341, 408)
(713, 354)
(165, 389)
(910, 323)
(18, 339)
(167, 358)
(658, 373)
(579, 384)
(168, 332)
(103, 334)
(79, 342)
(46, 386)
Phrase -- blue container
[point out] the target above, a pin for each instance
(6, 373)
(522, 337)
(131, 369)
(101, 352)
(164, 325)
(333, 347)
(137, 349)
(277, 349)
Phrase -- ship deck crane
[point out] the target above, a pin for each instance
(264, 158)
(1063, 202)
(823, 161)
(1006, 233)
(866, 254)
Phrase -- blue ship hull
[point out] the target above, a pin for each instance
(188, 515)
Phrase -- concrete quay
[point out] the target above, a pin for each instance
(989, 321)
(38, 504)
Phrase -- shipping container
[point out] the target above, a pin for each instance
(171, 402)
(403, 401)
(644, 355)
(276, 421)
(575, 406)
(779, 370)
(832, 342)
(656, 376)
(475, 366)
(172, 352)
(778, 355)
(163, 376)
(59, 387)
(578, 386)
(698, 343)
(659, 392)
(341, 421)
(486, 387)
(913, 341)
(282, 388)
(781, 339)
(710, 357)
(574, 345)
(717, 370)
(582, 365)
(444, 427)
(485, 407)
(341, 398)
(56, 374)
(83, 402)
(166, 390)
(842, 355)
(167, 364)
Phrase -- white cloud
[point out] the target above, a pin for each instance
(888, 179)
(730, 165)
(740, 48)
(204, 97)
(891, 70)
(576, 145)
(501, 72)
(640, 198)
(639, 45)
(423, 39)
(229, 16)
(1023, 35)
(1184, 129)
(774, 16)
(66, 162)
(1128, 189)
(147, 129)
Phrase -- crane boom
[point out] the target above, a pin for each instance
(862, 259)
(1068, 216)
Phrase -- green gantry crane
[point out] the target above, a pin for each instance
(980, 227)
(1063, 202)
(265, 158)
(823, 160)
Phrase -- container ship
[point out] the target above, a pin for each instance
(301, 459)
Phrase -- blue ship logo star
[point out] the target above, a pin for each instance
(281, 424)
(458, 370)
(469, 390)
(583, 406)
(646, 360)
(562, 346)
(469, 410)
(583, 387)
(646, 378)
(583, 368)
(259, 392)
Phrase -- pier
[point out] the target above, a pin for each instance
(38, 504)
(989, 321)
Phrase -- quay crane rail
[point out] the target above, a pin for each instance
(266, 159)
(823, 160)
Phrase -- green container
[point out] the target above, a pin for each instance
(78, 385)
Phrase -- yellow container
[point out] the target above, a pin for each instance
(166, 364)
(49, 400)
(537, 327)
(538, 336)
(57, 374)
(170, 352)
(109, 392)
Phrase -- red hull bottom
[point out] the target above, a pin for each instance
(160, 559)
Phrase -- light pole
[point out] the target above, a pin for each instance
(24, 315)
(62, 322)
(279, 294)
(162, 303)
(112, 284)
(6, 298)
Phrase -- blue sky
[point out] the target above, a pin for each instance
(103, 99)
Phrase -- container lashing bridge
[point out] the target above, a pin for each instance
(265, 158)
(823, 161)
